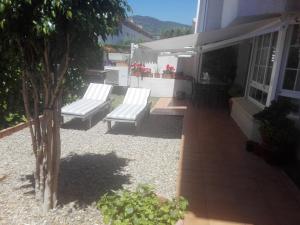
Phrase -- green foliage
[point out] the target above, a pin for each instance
(174, 32)
(140, 207)
(11, 104)
(277, 130)
(45, 38)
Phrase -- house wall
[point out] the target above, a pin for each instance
(216, 14)
(127, 35)
(259, 7)
(188, 66)
(242, 8)
(163, 88)
(230, 12)
(162, 61)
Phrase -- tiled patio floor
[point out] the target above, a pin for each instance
(225, 184)
(169, 106)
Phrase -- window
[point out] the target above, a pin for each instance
(291, 81)
(263, 57)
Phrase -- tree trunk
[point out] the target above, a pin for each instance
(45, 133)
(51, 159)
(46, 91)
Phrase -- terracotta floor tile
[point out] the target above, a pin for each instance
(191, 219)
(225, 184)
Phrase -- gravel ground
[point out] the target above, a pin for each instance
(92, 163)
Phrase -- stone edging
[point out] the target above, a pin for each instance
(14, 129)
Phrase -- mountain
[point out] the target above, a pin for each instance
(155, 26)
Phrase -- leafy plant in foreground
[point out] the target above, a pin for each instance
(141, 207)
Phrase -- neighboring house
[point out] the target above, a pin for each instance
(117, 63)
(129, 32)
(267, 35)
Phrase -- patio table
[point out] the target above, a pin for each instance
(209, 91)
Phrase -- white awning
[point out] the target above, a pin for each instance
(212, 40)
(175, 44)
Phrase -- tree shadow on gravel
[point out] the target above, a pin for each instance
(85, 178)
(78, 124)
(157, 126)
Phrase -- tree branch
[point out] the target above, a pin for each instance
(61, 72)
(27, 112)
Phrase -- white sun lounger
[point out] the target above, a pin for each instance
(133, 109)
(95, 99)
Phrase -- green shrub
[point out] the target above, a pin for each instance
(140, 207)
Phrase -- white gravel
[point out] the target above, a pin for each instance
(92, 163)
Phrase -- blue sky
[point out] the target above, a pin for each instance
(182, 11)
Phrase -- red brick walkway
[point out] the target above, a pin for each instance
(225, 184)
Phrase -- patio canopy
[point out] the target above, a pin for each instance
(211, 40)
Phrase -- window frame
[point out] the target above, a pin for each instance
(252, 83)
(286, 92)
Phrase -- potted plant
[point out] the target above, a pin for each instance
(145, 72)
(157, 75)
(136, 69)
(279, 134)
(141, 206)
(169, 72)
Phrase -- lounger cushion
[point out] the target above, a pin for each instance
(137, 96)
(81, 107)
(126, 112)
(97, 92)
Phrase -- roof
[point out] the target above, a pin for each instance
(136, 28)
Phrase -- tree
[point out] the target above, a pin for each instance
(11, 110)
(50, 36)
(174, 32)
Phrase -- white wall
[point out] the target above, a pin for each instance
(242, 112)
(189, 65)
(214, 15)
(162, 61)
(121, 72)
(162, 87)
(258, 7)
(230, 12)
(221, 13)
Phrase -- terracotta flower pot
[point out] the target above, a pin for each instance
(136, 74)
(157, 75)
(169, 76)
